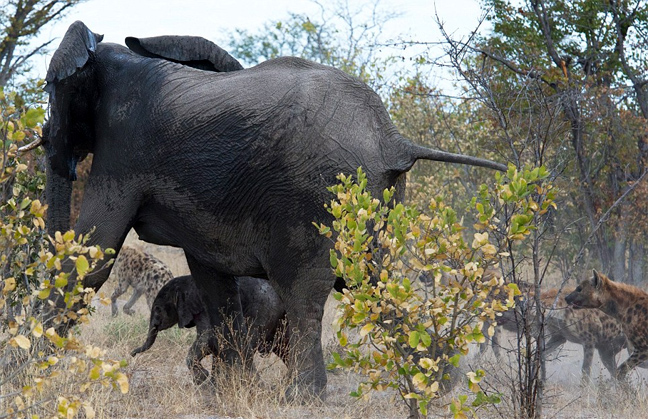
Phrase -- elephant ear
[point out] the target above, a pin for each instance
(190, 307)
(192, 51)
(72, 54)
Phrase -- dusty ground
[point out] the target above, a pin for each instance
(161, 386)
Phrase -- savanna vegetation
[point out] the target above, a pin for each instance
(555, 88)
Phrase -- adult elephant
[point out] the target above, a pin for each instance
(230, 166)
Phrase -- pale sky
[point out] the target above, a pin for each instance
(116, 19)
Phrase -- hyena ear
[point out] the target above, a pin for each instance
(597, 279)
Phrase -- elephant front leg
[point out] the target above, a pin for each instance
(199, 350)
(107, 213)
(227, 331)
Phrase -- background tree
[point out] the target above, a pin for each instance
(573, 57)
(20, 23)
(344, 36)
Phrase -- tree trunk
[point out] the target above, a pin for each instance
(619, 259)
(636, 262)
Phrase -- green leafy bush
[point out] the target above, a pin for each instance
(419, 291)
(42, 373)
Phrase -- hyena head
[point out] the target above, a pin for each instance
(591, 293)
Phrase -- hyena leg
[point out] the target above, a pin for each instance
(127, 307)
(122, 286)
(554, 343)
(495, 343)
(490, 341)
(586, 369)
(607, 358)
(638, 356)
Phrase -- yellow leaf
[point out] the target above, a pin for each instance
(104, 299)
(434, 387)
(20, 341)
(93, 252)
(122, 381)
(89, 410)
(9, 285)
(419, 379)
(489, 249)
(366, 329)
(479, 240)
(44, 293)
(38, 330)
(491, 330)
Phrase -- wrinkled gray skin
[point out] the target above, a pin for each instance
(178, 302)
(230, 166)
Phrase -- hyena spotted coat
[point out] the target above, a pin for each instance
(143, 272)
(627, 304)
(590, 328)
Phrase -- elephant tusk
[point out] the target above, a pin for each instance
(38, 141)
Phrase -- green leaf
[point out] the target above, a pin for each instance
(414, 338)
(454, 360)
(426, 339)
(82, 265)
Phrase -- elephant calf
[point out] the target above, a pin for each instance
(178, 302)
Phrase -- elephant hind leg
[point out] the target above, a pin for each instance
(304, 296)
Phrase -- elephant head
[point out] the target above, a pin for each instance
(177, 302)
(74, 89)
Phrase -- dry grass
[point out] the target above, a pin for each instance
(161, 385)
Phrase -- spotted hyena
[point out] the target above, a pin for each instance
(627, 304)
(143, 272)
(590, 328)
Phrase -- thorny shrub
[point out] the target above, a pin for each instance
(419, 291)
(42, 374)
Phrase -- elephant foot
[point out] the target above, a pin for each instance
(200, 374)
(306, 392)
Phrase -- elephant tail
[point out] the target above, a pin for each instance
(150, 340)
(414, 152)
